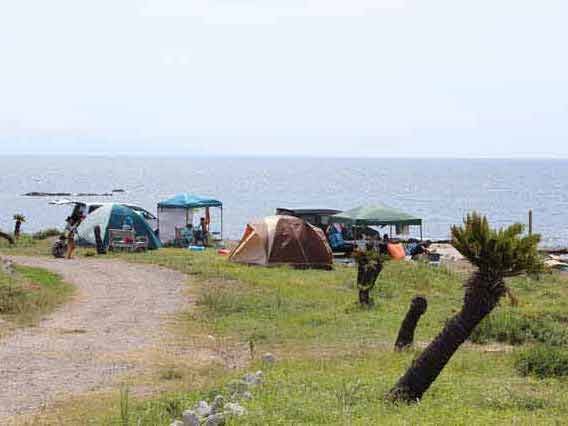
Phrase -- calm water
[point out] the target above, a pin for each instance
(440, 191)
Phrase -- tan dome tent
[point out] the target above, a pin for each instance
(283, 240)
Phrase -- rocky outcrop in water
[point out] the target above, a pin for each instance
(66, 194)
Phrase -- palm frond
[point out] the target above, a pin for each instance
(496, 252)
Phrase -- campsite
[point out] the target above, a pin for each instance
(280, 302)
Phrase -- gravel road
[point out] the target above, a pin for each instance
(119, 309)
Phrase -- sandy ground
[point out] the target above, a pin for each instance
(119, 309)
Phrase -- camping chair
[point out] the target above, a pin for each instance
(184, 237)
(142, 243)
(121, 239)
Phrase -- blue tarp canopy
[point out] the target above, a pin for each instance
(189, 201)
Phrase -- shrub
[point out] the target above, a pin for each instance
(515, 329)
(504, 327)
(543, 361)
(46, 233)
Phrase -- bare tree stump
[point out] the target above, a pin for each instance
(405, 337)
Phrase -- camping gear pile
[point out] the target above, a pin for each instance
(554, 261)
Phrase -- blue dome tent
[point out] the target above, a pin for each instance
(115, 216)
(177, 212)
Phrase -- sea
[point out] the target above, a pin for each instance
(441, 191)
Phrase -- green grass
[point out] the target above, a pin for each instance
(337, 359)
(511, 326)
(27, 245)
(543, 361)
(29, 294)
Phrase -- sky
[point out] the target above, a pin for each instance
(384, 78)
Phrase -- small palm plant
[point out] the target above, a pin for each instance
(497, 254)
(369, 267)
(19, 218)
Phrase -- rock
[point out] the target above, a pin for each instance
(190, 418)
(178, 423)
(47, 194)
(215, 420)
(251, 379)
(247, 395)
(7, 266)
(234, 409)
(268, 358)
(203, 409)
(217, 404)
(259, 375)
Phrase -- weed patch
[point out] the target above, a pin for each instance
(507, 326)
(542, 361)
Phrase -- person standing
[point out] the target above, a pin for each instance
(72, 225)
(202, 234)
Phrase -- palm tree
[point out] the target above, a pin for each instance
(19, 218)
(497, 254)
(369, 266)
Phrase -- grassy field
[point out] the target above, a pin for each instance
(336, 360)
(28, 294)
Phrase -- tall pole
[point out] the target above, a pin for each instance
(530, 222)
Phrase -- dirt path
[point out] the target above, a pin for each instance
(119, 310)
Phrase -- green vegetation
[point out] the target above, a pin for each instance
(46, 233)
(543, 361)
(515, 328)
(496, 255)
(30, 293)
(27, 245)
(337, 359)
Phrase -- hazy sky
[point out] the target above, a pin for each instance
(302, 77)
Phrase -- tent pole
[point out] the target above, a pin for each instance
(221, 223)
(421, 232)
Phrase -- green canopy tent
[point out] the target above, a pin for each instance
(376, 215)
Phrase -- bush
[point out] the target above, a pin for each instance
(46, 233)
(509, 327)
(543, 361)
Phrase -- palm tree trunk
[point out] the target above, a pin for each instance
(7, 237)
(481, 297)
(364, 297)
(17, 228)
(405, 337)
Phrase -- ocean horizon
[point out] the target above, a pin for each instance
(439, 190)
